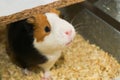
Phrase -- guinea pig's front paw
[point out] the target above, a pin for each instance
(47, 76)
(26, 72)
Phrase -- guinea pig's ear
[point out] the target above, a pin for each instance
(55, 11)
(31, 19)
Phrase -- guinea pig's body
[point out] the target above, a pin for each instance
(39, 40)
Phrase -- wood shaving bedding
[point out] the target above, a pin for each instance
(80, 61)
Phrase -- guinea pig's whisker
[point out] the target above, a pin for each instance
(79, 28)
(77, 25)
(64, 17)
(72, 20)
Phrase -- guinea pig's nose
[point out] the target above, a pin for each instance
(69, 32)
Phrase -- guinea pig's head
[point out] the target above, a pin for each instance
(51, 32)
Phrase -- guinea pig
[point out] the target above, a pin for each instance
(39, 40)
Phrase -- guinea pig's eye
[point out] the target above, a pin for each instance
(47, 29)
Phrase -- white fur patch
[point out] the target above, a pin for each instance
(52, 55)
(51, 60)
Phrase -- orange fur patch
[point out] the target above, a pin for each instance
(55, 11)
(40, 22)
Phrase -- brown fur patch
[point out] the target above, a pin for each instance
(55, 11)
(40, 23)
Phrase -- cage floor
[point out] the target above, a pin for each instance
(80, 61)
